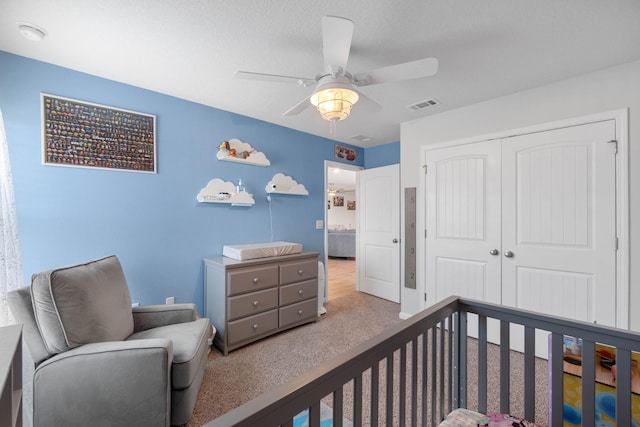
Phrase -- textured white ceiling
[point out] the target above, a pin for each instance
(190, 49)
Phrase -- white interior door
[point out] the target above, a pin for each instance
(378, 248)
(559, 223)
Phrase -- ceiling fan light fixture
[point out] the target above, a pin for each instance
(334, 100)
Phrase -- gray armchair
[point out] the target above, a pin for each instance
(97, 361)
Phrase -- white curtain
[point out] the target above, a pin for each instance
(10, 260)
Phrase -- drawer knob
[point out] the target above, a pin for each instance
(255, 326)
(255, 280)
(300, 272)
(255, 303)
(300, 312)
(299, 291)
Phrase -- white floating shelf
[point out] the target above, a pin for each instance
(284, 184)
(254, 157)
(220, 191)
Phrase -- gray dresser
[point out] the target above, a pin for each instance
(249, 300)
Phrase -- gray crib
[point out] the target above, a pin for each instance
(418, 371)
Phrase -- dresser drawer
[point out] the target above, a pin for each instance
(253, 303)
(252, 327)
(243, 280)
(298, 292)
(298, 312)
(297, 271)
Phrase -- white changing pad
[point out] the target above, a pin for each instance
(260, 250)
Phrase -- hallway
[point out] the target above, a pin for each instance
(341, 277)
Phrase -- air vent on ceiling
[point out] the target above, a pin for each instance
(361, 138)
(427, 103)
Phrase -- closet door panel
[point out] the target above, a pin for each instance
(559, 222)
(462, 196)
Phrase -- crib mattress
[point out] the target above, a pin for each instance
(260, 250)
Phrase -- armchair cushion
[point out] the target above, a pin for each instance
(82, 304)
(189, 348)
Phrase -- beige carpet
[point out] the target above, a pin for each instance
(255, 369)
(252, 370)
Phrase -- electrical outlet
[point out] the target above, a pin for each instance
(135, 304)
(170, 300)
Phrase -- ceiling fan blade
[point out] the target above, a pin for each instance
(366, 104)
(298, 108)
(336, 41)
(247, 75)
(409, 70)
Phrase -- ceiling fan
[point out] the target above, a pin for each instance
(332, 191)
(335, 88)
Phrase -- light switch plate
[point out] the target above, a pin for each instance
(319, 224)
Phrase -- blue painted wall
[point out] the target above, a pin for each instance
(152, 222)
(382, 155)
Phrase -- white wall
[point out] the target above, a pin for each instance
(605, 90)
(339, 216)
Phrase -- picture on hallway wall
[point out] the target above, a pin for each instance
(338, 201)
(351, 205)
(82, 134)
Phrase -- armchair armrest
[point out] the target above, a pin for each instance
(154, 316)
(121, 383)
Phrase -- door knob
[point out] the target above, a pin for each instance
(508, 254)
(395, 240)
(494, 252)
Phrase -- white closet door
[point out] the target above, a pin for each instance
(462, 196)
(559, 222)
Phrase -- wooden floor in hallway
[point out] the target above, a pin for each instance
(341, 277)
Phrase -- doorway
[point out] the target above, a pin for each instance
(340, 229)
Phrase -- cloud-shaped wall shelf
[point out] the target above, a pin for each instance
(219, 191)
(238, 150)
(284, 184)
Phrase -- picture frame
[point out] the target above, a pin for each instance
(338, 201)
(351, 205)
(345, 153)
(87, 135)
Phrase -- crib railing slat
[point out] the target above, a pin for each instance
(442, 371)
(450, 362)
(434, 377)
(389, 402)
(338, 400)
(529, 373)
(482, 364)
(314, 415)
(425, 370)
(461, 389)
(588, 383)
(623, 387)
(375, 383)
(414, 381)
(403, 385)
(357, 400)
(557, 380)
(505, 367)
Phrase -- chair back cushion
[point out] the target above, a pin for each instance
(82, 304)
